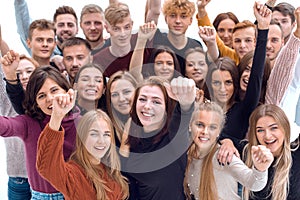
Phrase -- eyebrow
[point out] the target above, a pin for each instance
(274, 124)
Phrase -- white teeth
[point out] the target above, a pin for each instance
(203, 138)
(147, 114)
(270, 142)
(100, 148)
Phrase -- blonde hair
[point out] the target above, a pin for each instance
(110, 160)
(174, 6)
(207, 187)
(116, 12)
(282, 164)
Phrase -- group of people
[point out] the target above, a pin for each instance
(151, 115)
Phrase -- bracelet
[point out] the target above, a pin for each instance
(12, 81)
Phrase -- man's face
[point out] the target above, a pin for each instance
(178, 22)
(75, 57)
(244, 41)
(120, 33)
(285, 23)
(42, 43)
(92, 25)
(275, 41)
(66, 27)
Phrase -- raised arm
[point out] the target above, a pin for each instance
(284, 67)
(146, 33)
(23, 21)
(152, 10)
(208, 35)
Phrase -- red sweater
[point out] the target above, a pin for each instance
(67, 177)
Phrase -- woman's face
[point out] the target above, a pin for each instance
(25, 69)
(122, 93)
(196, 67)
(151, 107)
(205, 128)
(222, 85)
(245, 77)
(224, 31)
(90, 85)
(45, 95)
(98, 140)
(270, 134)
(164, 65)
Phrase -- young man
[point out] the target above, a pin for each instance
(92, 23)
(65, 21)
(76, 53)
(284, 14)
(178, 16)
(119, 25)
(275, 41)
(41, 40)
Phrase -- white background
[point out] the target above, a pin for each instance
(45, 9)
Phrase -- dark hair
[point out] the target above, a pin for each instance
(36, 81)
(273, 22)
(285, 9)
(64, 10)
(224, 64)
(136, 126)
(148, 69)
(222, 16)
(248, 57)
(41, 25)
(74, 41)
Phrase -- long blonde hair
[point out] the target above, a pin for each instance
(282, 163)
(207, 187)
(110, 161)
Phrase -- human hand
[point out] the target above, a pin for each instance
(10, 62)
(61, 105)
(207, 34)
(201, 4)
(263, 15)
(226, 152)
(182, 90)
(147, 30)
(262, 157)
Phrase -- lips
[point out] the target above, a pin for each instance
(203, 139)
(91, 91)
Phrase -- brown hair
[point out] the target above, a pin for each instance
(243, 25)
(110, 160)
(91, 8)
(41, 25)
(64, 10)
(116, 12)
(222, 16)
(286, 9)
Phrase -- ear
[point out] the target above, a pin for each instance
(28, 43)
(191, 20)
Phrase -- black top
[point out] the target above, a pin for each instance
(162, 39)
(237, 117)
(156, 171)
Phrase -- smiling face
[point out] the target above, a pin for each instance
(275, 41)
(205, 128)
(270, 134)
(225, 31)
(92, 25)
(90, 85)
(164, 66)
(66, 26)
(196, 68)
(245, 77)
(25, 69)
(222, 85)
(122, 93)
(46, 94)
(98, 140)
(151, 107)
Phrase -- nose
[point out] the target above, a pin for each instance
(49, 97)
(45, 43)
(121, 97)
(24, 76)
(243, 43)
(205, 130)
(75, 62)
(147, 104)
(269, 44)
(100, 138)
(222, 87)
(268, 134)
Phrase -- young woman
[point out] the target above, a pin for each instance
(224, 24)
(270, 127)
(205, 178)
(43, 84)
(244, 67)
(93, 171)
(91, 85)
(119, 97)
(157, 138)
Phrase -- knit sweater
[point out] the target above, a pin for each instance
(29, 129)
(67, 177)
